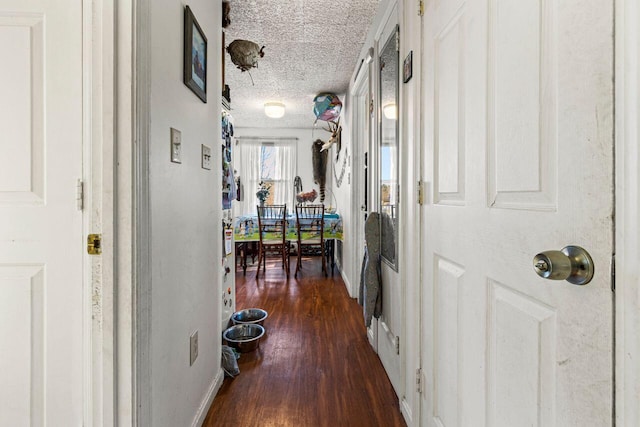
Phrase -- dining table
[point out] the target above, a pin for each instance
(246, 235)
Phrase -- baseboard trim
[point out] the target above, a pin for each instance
(347, 284)
(405, 409)
(206, 403)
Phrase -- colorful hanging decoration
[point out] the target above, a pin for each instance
(327, 107)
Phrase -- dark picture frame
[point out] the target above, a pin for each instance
(407, 68)
(194, 56)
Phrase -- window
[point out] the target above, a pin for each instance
(271, 162)
(268, 169)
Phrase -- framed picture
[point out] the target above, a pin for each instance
(407, 69)
(195, 56)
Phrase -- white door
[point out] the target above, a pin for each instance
(41, 247)
(518, 142)
(389, 325)
(359, 174)
(368, 173)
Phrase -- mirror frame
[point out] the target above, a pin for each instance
(389, 221)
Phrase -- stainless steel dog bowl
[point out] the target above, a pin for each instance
(244, 338)
(249, 316)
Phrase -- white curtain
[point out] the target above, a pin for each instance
(248, 158)
(285, 172)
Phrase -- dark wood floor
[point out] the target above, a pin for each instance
(314, 367)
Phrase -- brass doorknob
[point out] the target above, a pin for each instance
(572, 263)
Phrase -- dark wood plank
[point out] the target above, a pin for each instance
(314, 367)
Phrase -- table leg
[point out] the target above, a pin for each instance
(243, 252)
(332, 250)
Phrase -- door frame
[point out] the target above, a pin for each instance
(388, 340)
(411, 137)
(108, 43)
(134, 375)
(98, 197)
(360, 141)
(92, 354)
(141, 230)
(627, 210)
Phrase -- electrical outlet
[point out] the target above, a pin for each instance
(176, 146)
(193, 348)
(206, 157)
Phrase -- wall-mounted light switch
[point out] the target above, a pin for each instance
(206, 157)
(193, 348)
(176, 146)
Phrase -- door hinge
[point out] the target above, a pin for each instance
(613, 273)
(80, 195)
(94, 244)
(421, 192)
(419, 380)
(398, 40)
(420, 8)
(397, 345)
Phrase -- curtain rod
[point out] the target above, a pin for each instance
(265, 138)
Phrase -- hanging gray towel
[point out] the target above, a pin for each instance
(370, 295)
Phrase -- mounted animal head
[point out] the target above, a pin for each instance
(335, 130)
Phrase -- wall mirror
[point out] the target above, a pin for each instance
(388, 150)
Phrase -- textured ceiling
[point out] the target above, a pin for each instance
(311, 46)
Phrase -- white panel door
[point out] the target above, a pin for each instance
(41, 299)
(518, 154)
(388, 328)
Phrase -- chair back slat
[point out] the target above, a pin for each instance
(272, 219)
(310, 228)
(310, 219)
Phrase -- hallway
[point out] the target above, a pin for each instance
(314, 366)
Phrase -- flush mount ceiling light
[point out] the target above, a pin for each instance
(390, 111)
(275, 110)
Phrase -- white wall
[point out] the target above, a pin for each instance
(185, 220)
(349, 267)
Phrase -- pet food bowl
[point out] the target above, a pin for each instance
(249, 316)
(244, 338)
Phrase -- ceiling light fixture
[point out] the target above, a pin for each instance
(390, 111)
(275, 110)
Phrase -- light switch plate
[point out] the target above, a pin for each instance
(206, 157)
(193, 348)
(176, 146)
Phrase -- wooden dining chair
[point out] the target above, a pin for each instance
(272, 227)
(310, 228)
